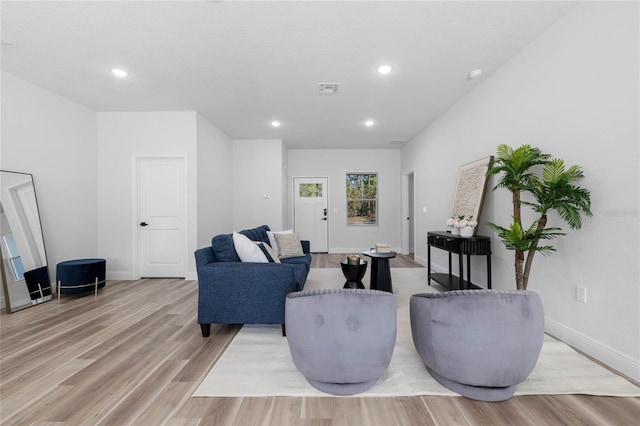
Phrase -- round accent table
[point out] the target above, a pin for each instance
(353, 273)
(380, 270)
(80, 276)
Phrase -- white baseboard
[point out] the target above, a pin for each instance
(128, 275)
(421, 260)
(358, 250)
(437, 269)
(119, 275)
(620, 362)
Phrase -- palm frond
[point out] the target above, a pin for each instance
(557, 192)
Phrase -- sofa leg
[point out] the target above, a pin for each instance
(284, 331)
(206, 329)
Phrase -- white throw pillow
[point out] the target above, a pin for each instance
(247, 250)
(272, 239)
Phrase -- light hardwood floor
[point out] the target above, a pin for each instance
(135, 354)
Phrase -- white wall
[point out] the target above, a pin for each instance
(122, 136)
(257, 170)
(573, 93)
(215, 192)
(335, 164)
(54, 139)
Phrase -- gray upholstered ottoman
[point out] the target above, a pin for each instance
(478, 343)
(341, 340)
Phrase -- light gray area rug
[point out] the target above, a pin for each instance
(257, 363)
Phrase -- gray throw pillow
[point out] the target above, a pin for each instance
(289, 245)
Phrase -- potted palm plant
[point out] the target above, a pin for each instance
(552, 188)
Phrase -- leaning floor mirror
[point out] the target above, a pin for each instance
(25, 275)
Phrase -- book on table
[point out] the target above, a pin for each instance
(382, 248)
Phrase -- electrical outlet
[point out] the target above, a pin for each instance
(581, 294)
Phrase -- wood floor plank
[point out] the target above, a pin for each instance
(134, 403)
(444, 411)
(135, 355)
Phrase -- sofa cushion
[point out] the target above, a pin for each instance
(289, 245)
(247, 250)
(257, 234)
(223, 248)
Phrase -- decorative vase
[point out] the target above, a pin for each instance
(449, 228)
(466, 231)
(353, 259)
(455, 231)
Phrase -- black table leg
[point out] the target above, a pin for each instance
(381, 275)
(428, 264)
(461, 286)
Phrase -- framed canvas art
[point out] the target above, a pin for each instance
(470, 188)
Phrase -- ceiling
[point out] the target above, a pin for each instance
(243, 64)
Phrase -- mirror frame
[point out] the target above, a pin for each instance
(5, 285)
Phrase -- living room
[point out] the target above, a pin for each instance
(572, 91)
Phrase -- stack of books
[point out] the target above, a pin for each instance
(382, 248)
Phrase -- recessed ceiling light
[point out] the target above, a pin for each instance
(384, 69)
(475, 74)
(119, 73)
(369, 123)
(275, 123)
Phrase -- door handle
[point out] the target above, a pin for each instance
(144, 224)
(324, 218)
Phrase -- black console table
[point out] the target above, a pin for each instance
(477, 245)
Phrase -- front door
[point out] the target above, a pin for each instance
(161, 217)
(310, 212)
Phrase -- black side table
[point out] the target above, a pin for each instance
(380, 270)
(476, 246)
(353, 273)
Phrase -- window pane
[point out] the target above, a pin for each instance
(362, 194)
(18, 268)
(14, 256)
(361, 213)
(11, 245)
(310, 190)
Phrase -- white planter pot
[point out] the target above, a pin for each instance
(466, 232)
(449, 228)
(455, 231)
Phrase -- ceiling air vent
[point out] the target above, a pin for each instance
(328, 88)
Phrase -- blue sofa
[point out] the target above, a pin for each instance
(235, 292)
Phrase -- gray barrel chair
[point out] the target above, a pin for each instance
(478, 343)
(341, 340)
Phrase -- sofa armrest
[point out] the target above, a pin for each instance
(306, 246)
(204, 256)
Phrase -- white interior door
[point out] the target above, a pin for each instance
(310, 211)
(408, 211)
(162, 217)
